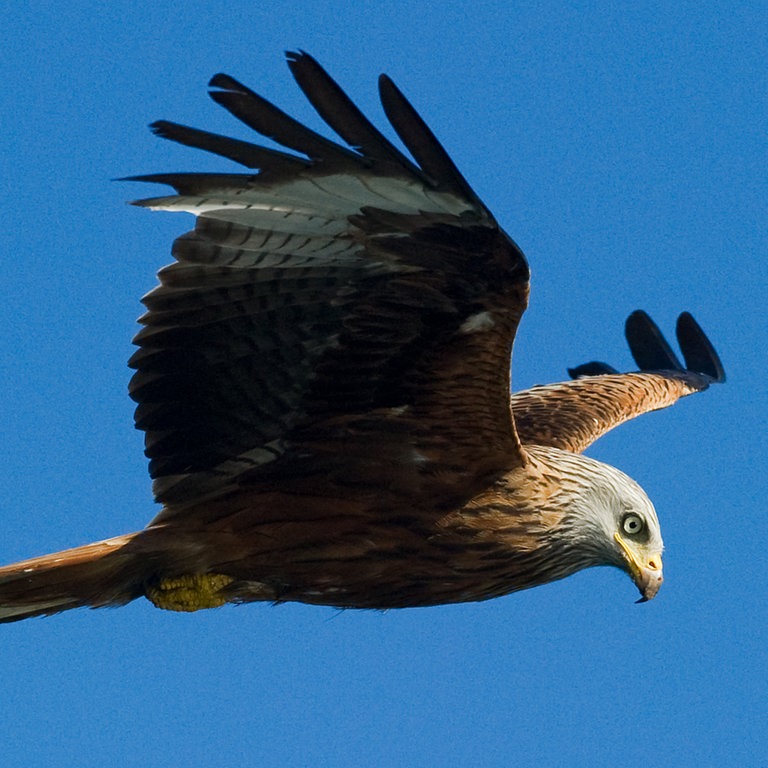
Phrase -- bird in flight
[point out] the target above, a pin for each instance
(323, 381)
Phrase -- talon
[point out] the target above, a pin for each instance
(190, 593)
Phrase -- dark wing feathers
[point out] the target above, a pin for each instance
(652, 352)
(594, 368)
(265, 118)
(195, 184)
(649, 348)
(345, 295)
(573, 414)
(421, 142)
(242, 152)
(341, 114)
(697, 349)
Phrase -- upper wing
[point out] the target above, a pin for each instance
(340, 301)
(573, 414)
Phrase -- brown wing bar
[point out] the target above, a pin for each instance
(573, 414)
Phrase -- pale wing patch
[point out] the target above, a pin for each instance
(478, 323)
(332, 197)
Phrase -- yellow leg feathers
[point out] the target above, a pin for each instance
(190, 593)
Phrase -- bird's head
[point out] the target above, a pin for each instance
(609, 520)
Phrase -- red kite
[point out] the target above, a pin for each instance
(323, 380)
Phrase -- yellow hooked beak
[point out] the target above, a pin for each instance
(646, 572)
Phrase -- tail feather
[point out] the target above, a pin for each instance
(100, 574)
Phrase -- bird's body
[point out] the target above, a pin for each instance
(371, 548)
(323, 380)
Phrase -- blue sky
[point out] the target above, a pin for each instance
(623, 147)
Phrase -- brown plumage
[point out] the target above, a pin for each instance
(323, 382)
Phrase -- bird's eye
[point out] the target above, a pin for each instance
(632, 524)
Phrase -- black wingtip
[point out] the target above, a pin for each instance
(652, 351)
(221, 81)
(649, 348)
(165, 129)
(148, 178)
(421, 142)
(293, 56)
(594, 368)
(698, 352)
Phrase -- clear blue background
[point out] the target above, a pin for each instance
(623, 146)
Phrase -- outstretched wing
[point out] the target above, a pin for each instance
(339, 300)
(573, 414)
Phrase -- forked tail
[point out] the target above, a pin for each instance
(104, 573)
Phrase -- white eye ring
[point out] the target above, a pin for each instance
(632, 524)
